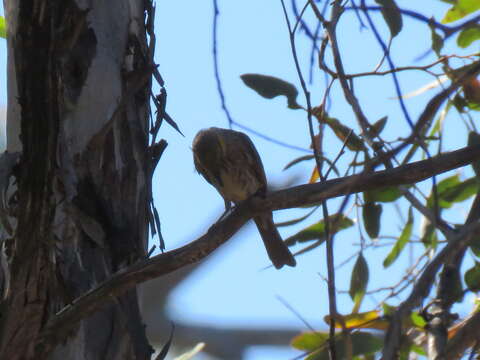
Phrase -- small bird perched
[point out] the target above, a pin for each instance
(228, 160)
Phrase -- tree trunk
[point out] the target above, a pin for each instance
(79, 87)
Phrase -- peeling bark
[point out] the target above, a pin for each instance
(79, 85)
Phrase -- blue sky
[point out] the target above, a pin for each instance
(231, 288)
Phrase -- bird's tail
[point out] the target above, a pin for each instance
(277, 251)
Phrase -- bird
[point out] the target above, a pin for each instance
(229, 161)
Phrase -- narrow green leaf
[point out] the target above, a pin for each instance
(437, 40)
(317, 231)
(418, 320)
(429, 236)
(385, 194)
(363, 343)
(309, 341)
(451, 190)
(461, 9)
(371, 213)
(418, 349)
(343, 133)
(392, 15)
(472, 277)
(3, 27)
(401, 242)
(460, 192)
(468, 36)
(454, 287)
(388, 309)
(270, 87)
(359, 281)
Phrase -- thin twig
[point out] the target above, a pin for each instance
(329, 241)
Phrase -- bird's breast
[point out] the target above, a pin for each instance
(238, 185)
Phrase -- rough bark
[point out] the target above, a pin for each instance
(78, 110)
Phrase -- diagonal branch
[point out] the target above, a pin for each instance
(465, 337)
(58, 327)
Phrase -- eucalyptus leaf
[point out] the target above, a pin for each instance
(345, 134)
(401, 242)
(371, 213)
(392, 15)
(461, 9)
(359, 281)
(316, 231)
(362, 343)
(472, 277)
(437, 40)
(468, 36)
(3, 27)
(384, 194)
(270, 87)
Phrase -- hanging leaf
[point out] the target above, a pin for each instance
(378, 126)
(429, 235)
(401, 242)
(371, 218)
(452, 190)
(418, 320)
(392, 15)
(270, 87)
(437, 40)
(460, 192)
(319, 113)
(172, 123)
(358, 281)
(384, 194)
(343, 132)
(468, 35)
(362, 343)
(3, 27)
(472, 277)
(461, 9)
(454, 287)
(316, 231)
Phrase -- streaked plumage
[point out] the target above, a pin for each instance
(228, 160)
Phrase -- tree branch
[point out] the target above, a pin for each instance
(422, 288)
(59, 326)
(464, 338)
